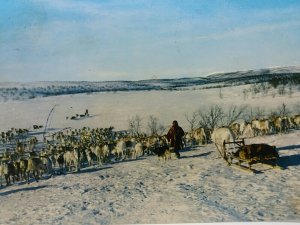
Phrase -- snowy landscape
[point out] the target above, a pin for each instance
(199, 187)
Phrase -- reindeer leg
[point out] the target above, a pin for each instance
(7, 179)
(35, 176)
(24, 175)
(14, 179)
(28, 175)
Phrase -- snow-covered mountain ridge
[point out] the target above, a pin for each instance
(286, 70)
(20, 91)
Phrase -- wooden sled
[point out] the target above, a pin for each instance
(235, 160)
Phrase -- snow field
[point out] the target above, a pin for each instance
(199, 187)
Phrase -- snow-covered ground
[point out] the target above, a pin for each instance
(199, 187)
(114, 109)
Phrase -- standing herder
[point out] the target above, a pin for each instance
(175, 135)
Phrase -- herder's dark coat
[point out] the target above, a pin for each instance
(175, 135)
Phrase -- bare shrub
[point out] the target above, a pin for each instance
(264, 88)
(281, 90)
(245, 94)
(283, 110)
(234, 113)
(192, 119)
(155, 127)
(211, 117)
(255, 89)
(134, 125)
(253, 113)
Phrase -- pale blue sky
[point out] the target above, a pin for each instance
(140, 39)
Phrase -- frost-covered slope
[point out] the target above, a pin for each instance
(21, 91)
(261, 72)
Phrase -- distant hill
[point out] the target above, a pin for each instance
(234, 78)
(19, 91)
(260, 72)
(260, 75)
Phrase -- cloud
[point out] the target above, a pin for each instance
(243, 31)
(69, 5)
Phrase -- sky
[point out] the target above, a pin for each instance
(74, 40)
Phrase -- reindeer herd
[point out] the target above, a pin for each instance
(265, 126)
(24, 156)
(70, 150)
